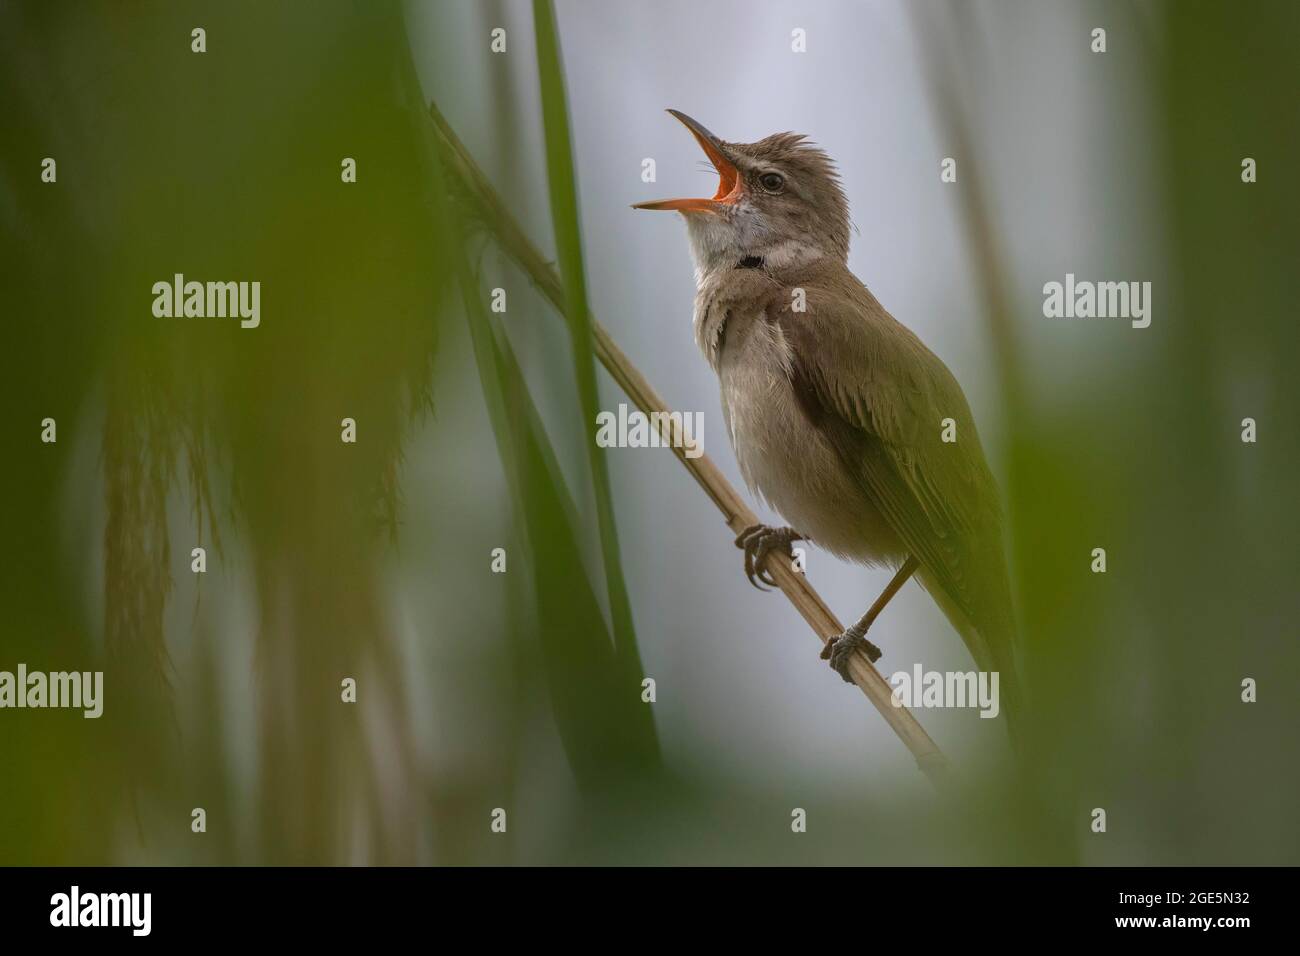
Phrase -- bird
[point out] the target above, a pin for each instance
(840, 418)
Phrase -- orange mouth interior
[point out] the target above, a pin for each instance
(729, 188)
(728, 175)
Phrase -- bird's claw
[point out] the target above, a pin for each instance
(760, 540)
(839, 651)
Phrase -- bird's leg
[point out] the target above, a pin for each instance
(838, 650)
(760, 540)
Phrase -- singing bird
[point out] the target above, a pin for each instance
(840, 418)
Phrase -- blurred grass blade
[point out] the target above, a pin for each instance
(602, 722)
(568, 243)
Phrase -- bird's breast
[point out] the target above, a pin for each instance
(784, 458)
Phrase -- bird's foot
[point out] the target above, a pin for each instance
(760, 540)
(839, 650)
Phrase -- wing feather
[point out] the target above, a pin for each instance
(882, 397)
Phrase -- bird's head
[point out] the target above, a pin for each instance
(779, 202)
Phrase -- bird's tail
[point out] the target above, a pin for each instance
(993, 647)
(991, 640)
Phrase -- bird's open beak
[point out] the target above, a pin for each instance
(729, 187)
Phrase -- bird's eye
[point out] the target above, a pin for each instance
(772, 182)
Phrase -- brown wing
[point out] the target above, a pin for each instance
(882, 398)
